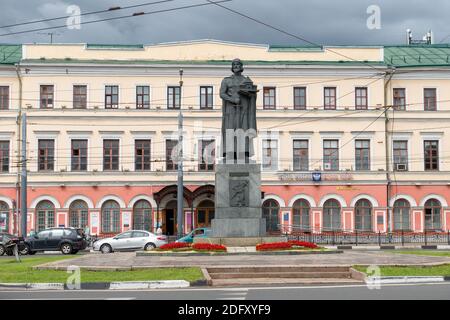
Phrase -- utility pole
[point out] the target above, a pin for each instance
(180, 197)
(23, 182)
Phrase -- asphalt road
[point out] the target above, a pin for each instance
(356, 292)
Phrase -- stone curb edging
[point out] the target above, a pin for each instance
(126, 285)
(264, 253)
(389, 247)
(406, 279)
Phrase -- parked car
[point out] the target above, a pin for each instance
(66, 240)
(130, 240)
(196, 233)
(6, 238)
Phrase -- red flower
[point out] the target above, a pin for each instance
(285, 245)
(208, 247)
(303, 244)
(175, 245)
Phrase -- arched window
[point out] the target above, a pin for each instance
(271, 208)
(45, 213)
(110, 217)
(331, 215)
(363, 215)
(142, 215)
(401, 215)
(4, 217)
(301, 211)
(205, 213)
(78, 214)
(433, 209)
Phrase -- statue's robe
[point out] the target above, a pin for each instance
(242, 116)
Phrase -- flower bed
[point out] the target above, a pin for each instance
(182, 246)
(208, 247)
(303, 244)
(174, 246)
(290, 245)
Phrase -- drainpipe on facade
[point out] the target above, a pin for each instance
(19, 136)
(390, 73)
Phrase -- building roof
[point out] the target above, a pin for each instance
(10, 53)
(417, 55)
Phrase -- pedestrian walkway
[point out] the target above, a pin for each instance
(241, 249)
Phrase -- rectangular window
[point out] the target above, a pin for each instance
(206, 97)
(301, 155)
(361, 101)
(171, 155)
(79, 97)
(4, 156)
(111, 97)
(400, 153)
(331, 155)
(206, 155)
(431, 156)
(300, 98)
(79, 155)
(173, 97)
(362, 154)
(399, 99)
(269, 98)
(47, 96)
(110, 155)
(46, 155)
(142, 97)
(270, 155)
(4, 97)
(430, 99)
(142, 155)
(329, 98)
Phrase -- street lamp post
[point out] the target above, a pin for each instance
(180, 197)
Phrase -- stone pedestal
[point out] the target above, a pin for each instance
(238, 202)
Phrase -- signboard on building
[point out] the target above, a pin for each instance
(315, 177)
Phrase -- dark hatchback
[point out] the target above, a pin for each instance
(66, 240)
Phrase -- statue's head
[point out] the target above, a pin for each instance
(237, 66)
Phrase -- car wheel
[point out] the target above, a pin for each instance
(2, 250)
(25, 250)
(32, 253)
(106, 248)
(66, 248)
(74, 252)
(149, 246)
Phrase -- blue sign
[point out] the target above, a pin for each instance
(286, 217)
(317, 176)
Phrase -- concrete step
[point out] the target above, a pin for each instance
(283, 281)
(277, 275)
(276, 269)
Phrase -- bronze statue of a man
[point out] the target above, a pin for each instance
(238, 114)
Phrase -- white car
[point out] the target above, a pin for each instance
(130, 240)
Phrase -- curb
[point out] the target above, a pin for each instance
(406, 279)
(259, 253)
(389, 247)
(126, 285)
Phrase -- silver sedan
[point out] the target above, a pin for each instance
(130, 240)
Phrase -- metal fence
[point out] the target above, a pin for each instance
(368, 238)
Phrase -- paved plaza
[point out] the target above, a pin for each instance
(347, 258)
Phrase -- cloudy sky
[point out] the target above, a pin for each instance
(319, 21)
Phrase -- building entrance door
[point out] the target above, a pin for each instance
(170, 222)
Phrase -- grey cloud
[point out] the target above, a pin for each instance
(320, 21)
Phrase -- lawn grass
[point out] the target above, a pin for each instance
(443, 270)
(13, 272)
(433, 253)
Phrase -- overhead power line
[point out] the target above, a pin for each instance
(111, 9)
(289, 33)
(116, 18)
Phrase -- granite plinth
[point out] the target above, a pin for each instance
(240, 242)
